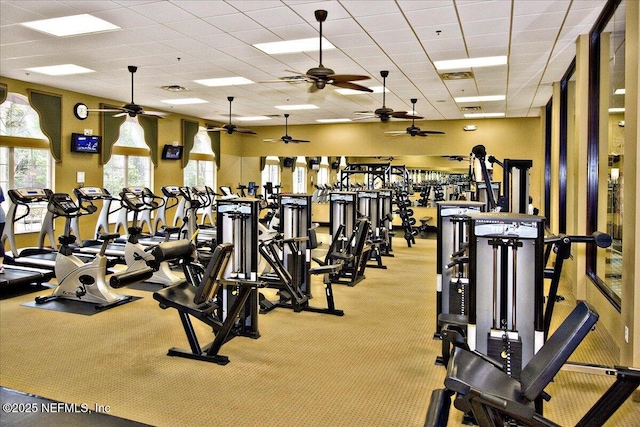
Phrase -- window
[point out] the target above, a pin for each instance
(130, 164)
(25, 160)
(605, 149)
(201, 169)
(323, 172)
(300, 176)
(271, 171)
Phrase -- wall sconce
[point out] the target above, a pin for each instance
(469, 128)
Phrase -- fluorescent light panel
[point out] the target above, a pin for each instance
(294, 46)
(485, 98)
(333, 120)
(71, 25)
(252, 118)
(454, 64)
(375, 89)
(184, 101)
(483, 115)
(297, 107)
(224, 81)
(616, 110)
(61, 70)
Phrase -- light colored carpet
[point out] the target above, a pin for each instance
(372, 367)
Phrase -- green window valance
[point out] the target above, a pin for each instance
(49, 109)
(111, 132)
(188, 135)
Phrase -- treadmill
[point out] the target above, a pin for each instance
(40, 257)
(18, 275)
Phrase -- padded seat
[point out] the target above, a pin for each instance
(469, 370)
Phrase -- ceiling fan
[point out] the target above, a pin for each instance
(414, 130)
(385, 113)
(321, 76)
(132, 109)
(286, 138)
(229, 127)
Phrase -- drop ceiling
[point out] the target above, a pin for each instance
(177, 42)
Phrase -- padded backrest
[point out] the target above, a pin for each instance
(216, 265)
(546, 363)
(361, 233)
(313, 238)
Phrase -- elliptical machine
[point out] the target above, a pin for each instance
(82, 281)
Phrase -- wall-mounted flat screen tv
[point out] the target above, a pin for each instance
(172, 152)
(81, 143)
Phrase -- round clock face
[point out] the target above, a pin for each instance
(80, 111)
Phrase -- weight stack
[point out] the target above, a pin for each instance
(496, 351)
(459, 296)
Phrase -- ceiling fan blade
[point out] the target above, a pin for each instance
(396, 132)
(349, 85)
(216, 129)
(432, 132)
(364, 118)
(158, 114)
(405, 115)
(249, 131)
(347, 77)
(272, 140)
(120, 114)
(104, 110)
(299, 140)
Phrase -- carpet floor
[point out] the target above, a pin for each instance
(372, 367)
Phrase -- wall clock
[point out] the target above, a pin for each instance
(80, 111)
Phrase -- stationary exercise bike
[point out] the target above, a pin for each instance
(136, 255)
(80, 281)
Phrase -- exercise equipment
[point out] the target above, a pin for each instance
(376, 205)
(342, 211)
(85, 282)
(237, 223)
(23, 202)
(206, 297)
(19, 275)
(515, 183)
(506, 252)
(470, 370)
(452, 257)
(352, 254)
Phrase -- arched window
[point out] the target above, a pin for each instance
(130, 163)
(201, 169)
(300, 176)
(25, 159)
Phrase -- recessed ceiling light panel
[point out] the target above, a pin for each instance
(297, 107)
(294, 46)
(333, 120)
(224, 81)
(71, 25)
(252, 118)
(61, 70)
(483, 115)
(486, 98)
(487, 61)
(184, 101)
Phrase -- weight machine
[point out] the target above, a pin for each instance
(372, 204)
(452, 258)
(237, 223)
(515, 183)
(506, 273)
(342, 211)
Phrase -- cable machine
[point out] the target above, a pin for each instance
(237, 223)
(506, 272)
